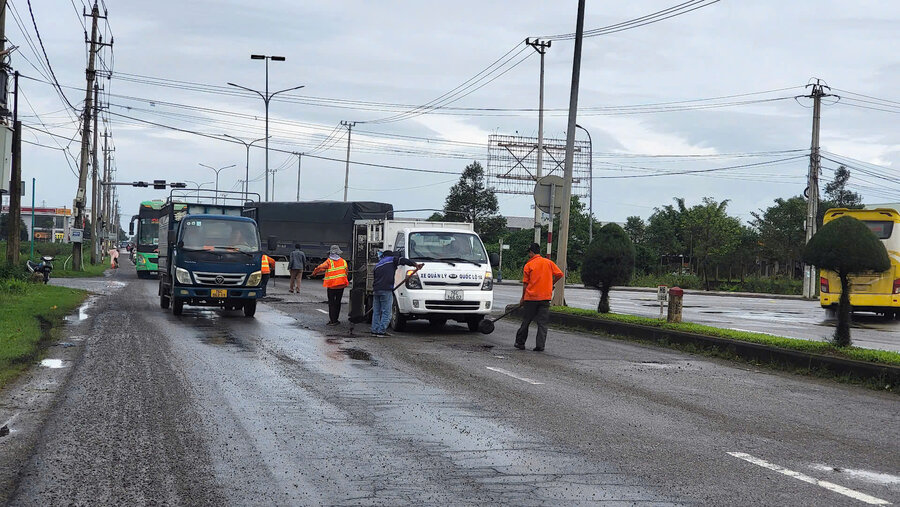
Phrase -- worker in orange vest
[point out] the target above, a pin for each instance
(268, 265)
(335, 269)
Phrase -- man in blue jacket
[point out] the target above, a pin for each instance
(383, 289)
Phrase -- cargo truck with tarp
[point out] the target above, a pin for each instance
(209, 252)
(314, 225)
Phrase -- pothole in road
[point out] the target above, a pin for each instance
(471, 347)
(357, 354)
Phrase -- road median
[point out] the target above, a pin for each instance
(877, 368)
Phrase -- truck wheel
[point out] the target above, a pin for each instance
(250, 308)
(177, 306)
(473, 322)
(164, 302)
(398, 321)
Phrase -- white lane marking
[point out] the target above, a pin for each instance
(513, 375)
(321, 310)
(856, 495)
(864, 475)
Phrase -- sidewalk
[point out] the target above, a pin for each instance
(686, 291)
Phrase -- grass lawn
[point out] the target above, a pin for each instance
(88, 269)
(30, 318)
(816, 347)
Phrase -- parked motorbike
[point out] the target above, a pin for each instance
(44, 267)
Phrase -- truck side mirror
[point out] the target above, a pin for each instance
(170, 237)
(495, 259)
(131, 228)
(272, 243)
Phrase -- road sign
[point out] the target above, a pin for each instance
(76, 235)
(662, 293)
(505, 247)
(548, 191)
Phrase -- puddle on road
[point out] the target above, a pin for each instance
(82, 313)
(52, 363)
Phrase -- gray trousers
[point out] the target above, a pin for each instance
(538, 311)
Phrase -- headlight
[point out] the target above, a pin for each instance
(413, 282)
(254, 278)
(488, 281)
(183, 276)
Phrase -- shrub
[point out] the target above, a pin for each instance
(609, 261)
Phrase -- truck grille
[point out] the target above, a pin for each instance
(452, 284)
(226, 279)
(442, 305)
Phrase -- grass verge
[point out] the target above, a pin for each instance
(815, 347)
(87, 271)
(30, 316)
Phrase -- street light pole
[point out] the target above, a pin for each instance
(217, 171)
(247, 166)
(266, 98)
(198, 185)
(590, 185)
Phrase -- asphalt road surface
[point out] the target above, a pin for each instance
(792, 318)
(212, 408)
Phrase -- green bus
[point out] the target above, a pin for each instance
(146, 237)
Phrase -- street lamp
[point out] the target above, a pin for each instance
(247, 167)
(590, 185)
(266, 98)
(217, 171)
(198, 185)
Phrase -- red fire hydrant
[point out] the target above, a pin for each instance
(676, 295)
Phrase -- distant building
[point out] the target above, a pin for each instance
(51, 225)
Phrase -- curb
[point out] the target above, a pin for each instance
(860, 370)
(758, 295)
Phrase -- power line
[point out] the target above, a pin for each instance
(46, 58)
(671, 12)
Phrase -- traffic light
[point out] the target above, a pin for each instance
(177, 184)
(159, 184)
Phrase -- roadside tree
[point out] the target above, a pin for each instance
(470, 200)
(609, 261)
(781, 231)
(847, 247)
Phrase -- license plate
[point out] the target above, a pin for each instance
(219, 293)
(453, 295)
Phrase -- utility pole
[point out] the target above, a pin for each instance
(559, 296)
(104, 195)
(85, 139)
(95, 231)
(299, 162)
(349, 125)
(540, 47)
(14, 219)
(812, 190)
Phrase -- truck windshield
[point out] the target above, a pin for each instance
(148, 231)
(882, 229)
(450, 246)
(216, 234)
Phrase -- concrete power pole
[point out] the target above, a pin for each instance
(540, 47)
(85, 139)
(13, 220)
(95, 230)
(299, 162)
(810, 280)
(106, 188)
(349, 125)
(559, 296)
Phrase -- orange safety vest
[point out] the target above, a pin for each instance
(336, 275)
(265, 264)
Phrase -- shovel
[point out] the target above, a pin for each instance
(362, 318)
(486, 326)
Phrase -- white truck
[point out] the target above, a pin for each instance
(456, 282)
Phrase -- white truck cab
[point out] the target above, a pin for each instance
(456, 282)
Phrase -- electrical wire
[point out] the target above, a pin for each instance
(655, 17)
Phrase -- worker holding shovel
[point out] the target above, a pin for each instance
(538, 278)
(383, 289)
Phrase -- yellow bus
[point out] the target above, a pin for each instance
(869, 292)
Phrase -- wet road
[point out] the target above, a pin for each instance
(782, 317)
(214, 408)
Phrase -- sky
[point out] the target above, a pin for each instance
(718, 91)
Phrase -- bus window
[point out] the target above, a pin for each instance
(882, 229)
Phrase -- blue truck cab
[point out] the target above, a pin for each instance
(209, 255)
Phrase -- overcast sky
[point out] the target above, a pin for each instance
(351, 54)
